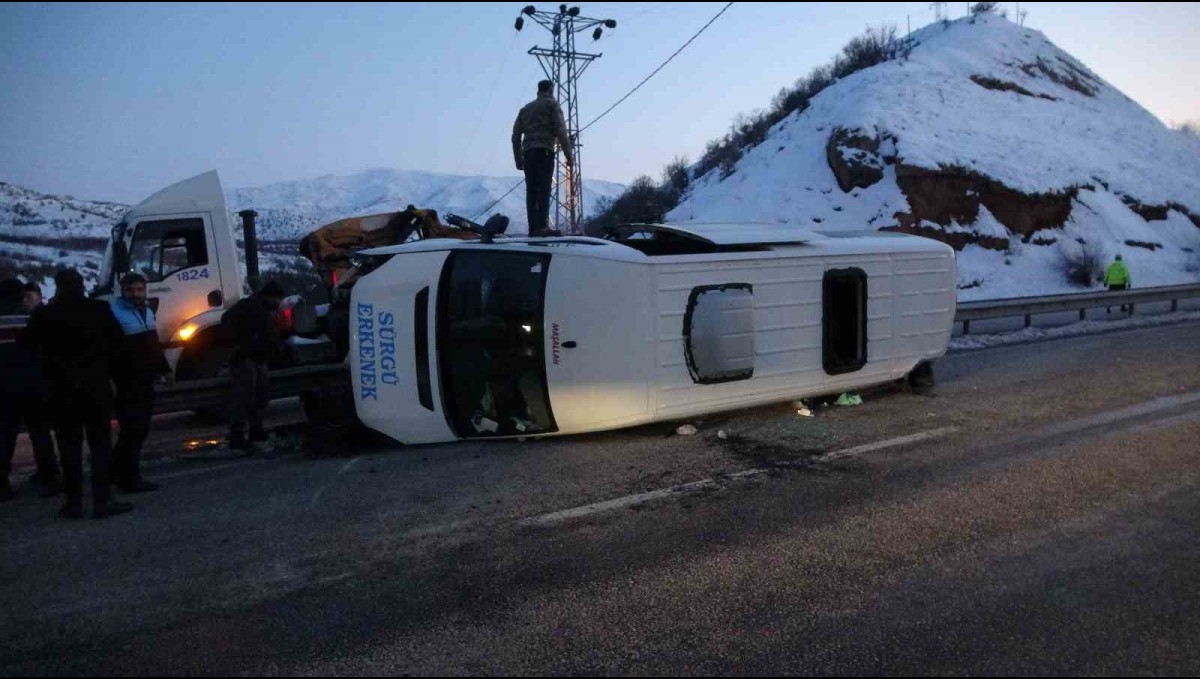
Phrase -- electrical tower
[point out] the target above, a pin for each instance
(563, 66)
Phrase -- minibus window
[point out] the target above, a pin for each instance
(845, 320)
(718, 333)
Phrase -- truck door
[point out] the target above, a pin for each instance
(178, 260)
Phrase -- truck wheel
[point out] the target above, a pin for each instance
(331, 405)
(333, 423)
(208, 363)
(310, 400)
(921, 378)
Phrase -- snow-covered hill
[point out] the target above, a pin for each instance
(41, 233)
(988, 137)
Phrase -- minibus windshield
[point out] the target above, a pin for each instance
(491, 346)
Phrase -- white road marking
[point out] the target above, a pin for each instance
(697, 486)
(889, 443)
(317, 497)
(1113, 416)
(349, 465)
(321, 491)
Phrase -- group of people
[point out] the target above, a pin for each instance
(71, 365)
(61, 370)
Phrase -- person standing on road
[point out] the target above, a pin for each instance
(1117, 278)
(22, 397)
(538, 126)
(140, 364)
(76, 341)
(251, 327)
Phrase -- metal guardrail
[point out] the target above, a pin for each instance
(214, 394)
(1028, 306)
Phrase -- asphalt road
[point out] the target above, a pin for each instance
(1041, 517)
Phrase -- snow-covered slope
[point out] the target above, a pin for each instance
(41, 233)
(989, 137)
(26, 212)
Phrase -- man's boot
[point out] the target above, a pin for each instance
(73, 509)
(238, 441)
(137, 485)
(51, 488)
(110, 508)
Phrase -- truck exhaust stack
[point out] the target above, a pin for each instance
(250, 237)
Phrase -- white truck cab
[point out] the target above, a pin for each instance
(551, 336)
(182, 241)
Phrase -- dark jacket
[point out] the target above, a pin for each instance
(140, 359)
(250, 325)
(76, 342)
(539, 124)
(17, 365)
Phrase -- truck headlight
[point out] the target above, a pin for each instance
(187, 331)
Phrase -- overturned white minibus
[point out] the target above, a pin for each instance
(549, 336)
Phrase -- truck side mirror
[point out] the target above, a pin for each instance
(120, 258)
(494, 226)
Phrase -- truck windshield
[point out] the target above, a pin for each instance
(491, 344)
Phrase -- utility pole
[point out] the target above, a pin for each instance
(563, 65)
(938, 14)
(908, 37)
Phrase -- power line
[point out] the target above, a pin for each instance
(483, 111)
(660, 67)
(497, 202)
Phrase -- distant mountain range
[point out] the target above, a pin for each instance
(41, 233)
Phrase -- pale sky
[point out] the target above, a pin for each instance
(113, 101)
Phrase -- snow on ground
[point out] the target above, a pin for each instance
(1089, 327)
(941, 117)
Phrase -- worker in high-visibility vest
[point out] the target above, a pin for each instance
(1117, 278)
